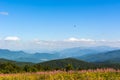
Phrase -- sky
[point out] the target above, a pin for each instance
(48, 24)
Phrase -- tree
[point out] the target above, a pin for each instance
(69, 67)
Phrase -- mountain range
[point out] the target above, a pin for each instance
(105, 57)
(26, 57)
(81, 51)
(90, 54)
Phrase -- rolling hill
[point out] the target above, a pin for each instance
(111, 56)
(81, 51)
(84, 53)
(62, 63)
(26, 57)
(15, 62)
(111, 61)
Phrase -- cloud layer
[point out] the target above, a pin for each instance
(15, 43)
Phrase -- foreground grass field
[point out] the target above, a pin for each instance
(99, 74)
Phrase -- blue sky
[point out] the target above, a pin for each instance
(55, 19)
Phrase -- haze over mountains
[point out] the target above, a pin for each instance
(91, 54)
(108, 57)
(80, 51)
(26, 57)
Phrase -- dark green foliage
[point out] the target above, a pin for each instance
(69, 67)
(9, 68)
(15, 62)
(74, 64)
(28, 68)
(60, 64)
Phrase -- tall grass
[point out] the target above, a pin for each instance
(99, 74)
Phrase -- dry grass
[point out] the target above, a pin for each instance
(99, 74)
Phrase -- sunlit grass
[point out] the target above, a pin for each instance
(99, 74)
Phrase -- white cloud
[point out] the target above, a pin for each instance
(4, 13)
(12, 38)
(12, 42)
(72, 39)
(77, 40)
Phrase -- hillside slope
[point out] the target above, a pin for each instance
(62, 63)
(101, 57)
(2, 61)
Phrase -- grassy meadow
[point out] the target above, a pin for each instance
(99, 74)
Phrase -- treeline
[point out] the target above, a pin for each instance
(14, 68)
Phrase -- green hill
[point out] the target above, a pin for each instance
(112, 61)
(62, 63)
(2, 61)
(111, 56)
